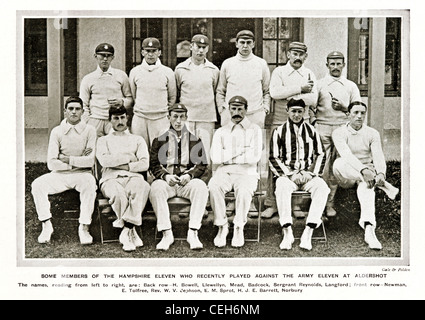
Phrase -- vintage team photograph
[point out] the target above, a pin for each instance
(276, 135)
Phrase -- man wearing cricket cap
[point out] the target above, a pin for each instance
(236, 150)
(246, 75)
(291, 81)
(177, 162)
(153, 87)
(197, 80)
(336, 92)
(297, 161)
(103, 88)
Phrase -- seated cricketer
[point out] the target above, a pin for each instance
(123, 157)
(70, 157)
(297, 161)
(361, 162)
(177, 162)
(236, 149)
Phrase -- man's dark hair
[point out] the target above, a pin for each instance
(113, 110)
(73, 99)
(356, 103)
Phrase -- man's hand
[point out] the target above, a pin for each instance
(184, 179)
(306, 176)
(116, 102)
(380, 180)
(172, 179)
(87, 151)
(338, 105)
(296, 178)
(307, 87)
(64, 158)
(369, 177)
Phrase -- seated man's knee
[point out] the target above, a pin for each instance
(89, 184)
(283, 182)
(199, 184)
(214, 184)
(338, 165)
(158, 185)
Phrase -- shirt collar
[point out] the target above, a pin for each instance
(151, 66)
(188, 62)
(245, 124)
(352, 130)
(301, 70)
(119, 133)
(66, 127)
(331, 80)
(109, 71)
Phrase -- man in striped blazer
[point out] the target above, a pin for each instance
(297, 161)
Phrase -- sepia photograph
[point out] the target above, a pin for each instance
(324, 64)
(193, 154)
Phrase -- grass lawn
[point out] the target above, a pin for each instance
(345, 237)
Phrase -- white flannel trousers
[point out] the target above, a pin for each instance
(244, 187)
(347, 177)
(195, 190)
(319, 191)
(55, 182)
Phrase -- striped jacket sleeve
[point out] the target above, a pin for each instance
(277, 147)
(319, 159)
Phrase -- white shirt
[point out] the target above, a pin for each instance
(237, 148)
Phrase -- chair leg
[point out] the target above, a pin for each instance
(324, 233)
(99, 213)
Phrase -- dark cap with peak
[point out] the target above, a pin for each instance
(105, 48)
(238, 100)
(200, 40)
(245, 34)
(151, 43)
(177, 107)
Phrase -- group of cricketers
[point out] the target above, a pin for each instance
(170, 146)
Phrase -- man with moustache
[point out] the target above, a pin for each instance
(123, 157)
(362, 163)
(291, 81)
(297, 161)
(177, 162)
(153, 87)
(335, 94)
(236, 149)
(104, 87)
(70, 157)
(197, 80)
(246, 75)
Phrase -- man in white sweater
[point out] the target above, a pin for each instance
(197, 80)
(245, 75)
(335, 94)
(70, 157)
(362, 163)
(291, 81)
(102, 88)
(123, 157)
(153, 87)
